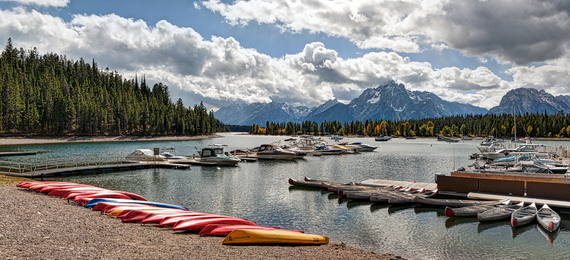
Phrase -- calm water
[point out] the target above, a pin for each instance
(260, 192)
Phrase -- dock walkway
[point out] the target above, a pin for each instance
(79, 166)
(539, 201)
(388, 183)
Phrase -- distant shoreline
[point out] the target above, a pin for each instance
(90, 139)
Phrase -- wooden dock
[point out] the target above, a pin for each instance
(539, 201)
(49, 170)
(388, 183)
(18, 153)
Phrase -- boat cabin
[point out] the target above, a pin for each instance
(212, 151)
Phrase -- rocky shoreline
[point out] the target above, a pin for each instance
(37, 226)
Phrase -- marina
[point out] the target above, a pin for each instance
(260, 191)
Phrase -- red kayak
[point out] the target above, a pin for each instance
(111, 208)
(171, 221)
(157, 217)
(114, 195)
(63, 192)
(139, 215)
(100, 206)
(49, 189)
(28, 184)
(199, 224)
(225, 229)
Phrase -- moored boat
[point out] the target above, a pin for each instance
(215, 156)
(472, 210)
(199, 224)
(498, 213)
(382, 138)
(327, 150)
(524, 215)
(452, 202)
(250, 236)
(273, 152)
(548, 218)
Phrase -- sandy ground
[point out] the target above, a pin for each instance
(37, 226)
(86, 139)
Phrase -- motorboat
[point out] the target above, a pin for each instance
(466, 138)
(300, 153)
(490, 140)
(306, 144)
(169, 154)
(538, 150)
(274, 152)
(382, 138)
(144, 155)
(336, 137)
(360, 147)
(452, 140)
(327, 150)
(216, 156)
(442, 138)
(345, 150)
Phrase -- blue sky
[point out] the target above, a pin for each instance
(305, 52)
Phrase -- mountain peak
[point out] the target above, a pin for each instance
(529, 100)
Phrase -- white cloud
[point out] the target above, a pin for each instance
(45, 3)
(514, 31)
(219, 70)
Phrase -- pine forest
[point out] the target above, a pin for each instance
(52, 95)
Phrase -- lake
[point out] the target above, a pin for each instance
(259, 191)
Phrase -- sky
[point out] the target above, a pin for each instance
(306, 52)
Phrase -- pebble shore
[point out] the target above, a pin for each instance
(37, 226)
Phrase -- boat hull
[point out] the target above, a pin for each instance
(248, 236)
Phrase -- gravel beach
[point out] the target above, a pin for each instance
(37, 226)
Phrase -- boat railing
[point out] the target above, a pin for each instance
(30, 168)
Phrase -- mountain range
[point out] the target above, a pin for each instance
(390, 101)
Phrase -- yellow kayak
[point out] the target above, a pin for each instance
(256, 236)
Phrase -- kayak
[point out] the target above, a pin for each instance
(106, 195)
(64, 192)
(122, 211)
(103, 205)
(171, 221)
(50, 189)
(199, 224)
(548, 218)
(225, 229)
(94, 202)
(251, 236)
(140, 214)
(524, 215)
(160, 216)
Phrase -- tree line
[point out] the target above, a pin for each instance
(52, 95)
(531, 125)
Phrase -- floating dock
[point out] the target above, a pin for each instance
(69, 168)
(388, 183)
(18, 153)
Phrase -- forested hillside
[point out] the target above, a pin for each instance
(52, 95)
(532, 125)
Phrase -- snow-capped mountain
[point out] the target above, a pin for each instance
(531, 100)
(391, 101)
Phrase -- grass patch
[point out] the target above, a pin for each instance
(11, 180)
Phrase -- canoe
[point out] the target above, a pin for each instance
(548, 218)
(455, 203)
(252, 236)
(139, 215)
(364, 195)
(345, 191)
(199, 224)
(171, 221)
(94, 202)
(471, 211)
(225, 229)
(384, 196)
(309, 184)
(409, 196)
(524, 215)
(498, 213)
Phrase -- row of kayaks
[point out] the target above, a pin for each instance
(484, 210)
(130, 207)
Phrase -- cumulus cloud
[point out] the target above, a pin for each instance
(45, 3)
(218, 70)
(515, 31)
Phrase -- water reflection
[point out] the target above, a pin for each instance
(261, 192)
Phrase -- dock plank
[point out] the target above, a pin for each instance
(539, 201)
(387, 183)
